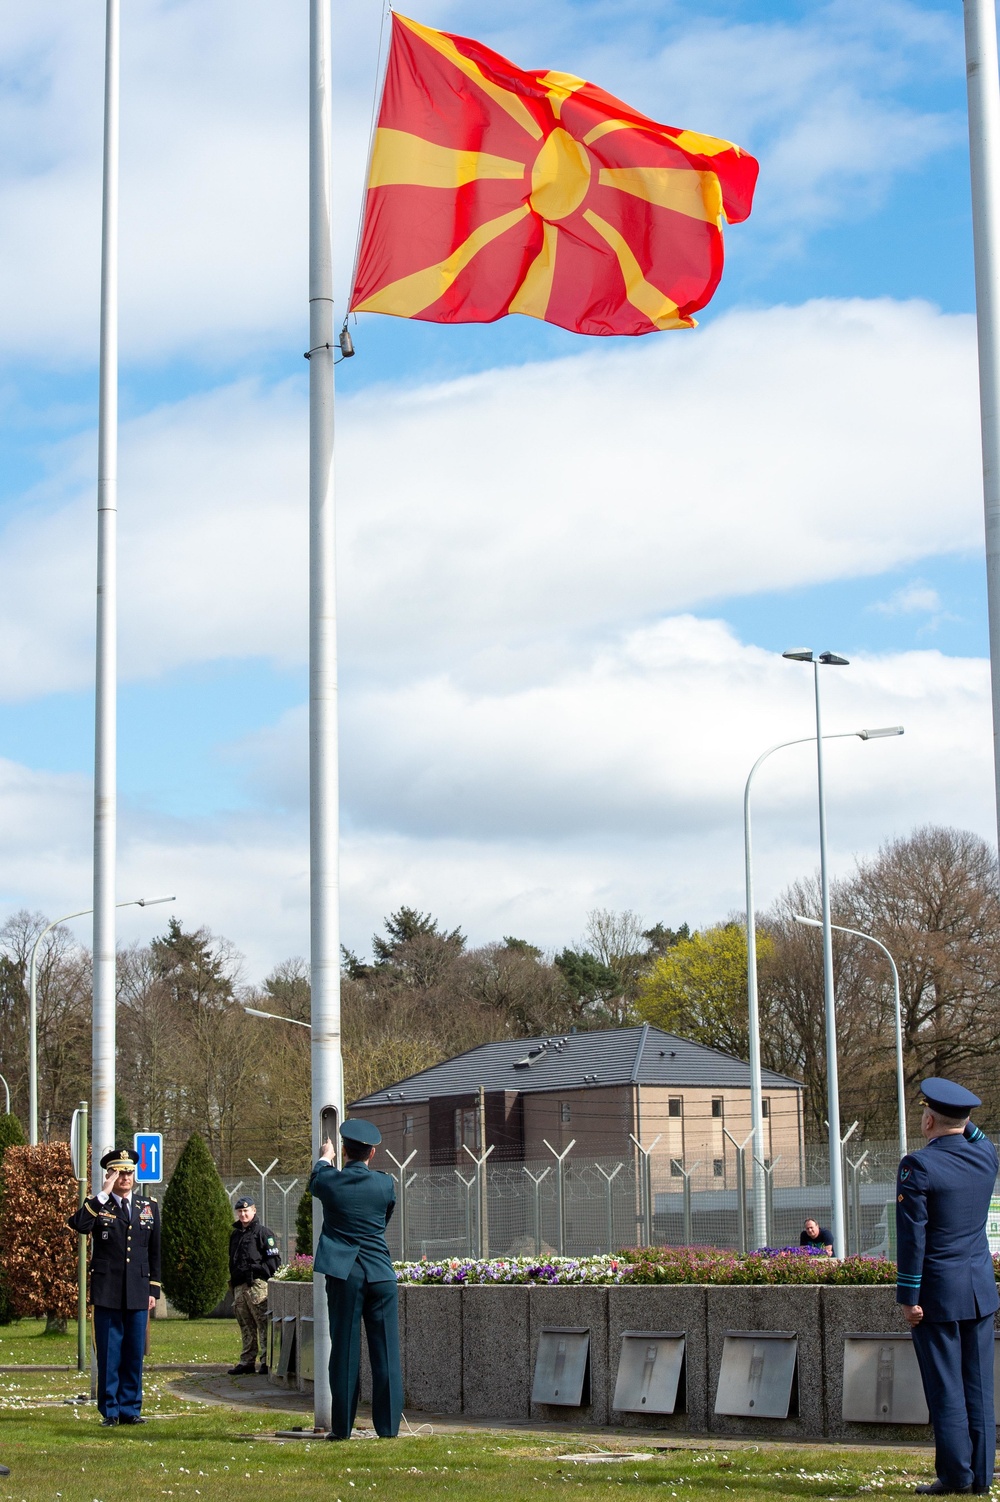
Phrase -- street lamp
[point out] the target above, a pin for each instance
(33, 1009)
(900, 1082)
(6, 1087)
(828, 660)
(276, 1017)
(756, 1085)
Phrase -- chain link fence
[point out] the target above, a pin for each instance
(577, 1207)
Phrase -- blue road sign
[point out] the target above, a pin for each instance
(149, 1157)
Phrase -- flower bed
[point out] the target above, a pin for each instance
(658, 1264)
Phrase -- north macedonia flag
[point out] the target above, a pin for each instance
(496, 191)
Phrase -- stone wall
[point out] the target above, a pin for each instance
(472, 1350)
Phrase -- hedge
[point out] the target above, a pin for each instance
(660, 1264)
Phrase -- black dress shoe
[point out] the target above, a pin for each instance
(239, 1370)
(938, 1489)
(109, 1423)
(338, 1437)
(134, 1418)
(262, 1369)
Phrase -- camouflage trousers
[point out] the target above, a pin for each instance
(250, 1304)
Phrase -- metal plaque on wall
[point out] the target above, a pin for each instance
(286, 1362)
(757, 1374)
(882, 1381)
(649, 1371)
(306, 1368)
(561, 1367)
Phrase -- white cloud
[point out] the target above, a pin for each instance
(614, 783)
(213, 199)
(492, 524)
(913, 598)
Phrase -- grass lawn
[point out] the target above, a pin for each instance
(58, 1453)
(25, 1343)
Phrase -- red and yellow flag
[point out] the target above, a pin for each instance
(496, 191)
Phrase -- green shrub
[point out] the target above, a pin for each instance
(197, 1220)
(304, 1226)
(11, 1135)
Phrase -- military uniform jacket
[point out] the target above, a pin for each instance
(358, 1202)
(943, 1258)
(125, 1252)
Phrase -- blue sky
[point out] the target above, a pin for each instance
(556, 664)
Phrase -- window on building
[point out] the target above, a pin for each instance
(718, 1168)
(407, 1126)
(466, 1130)
(565, 1114)
(675, 1106)
(765, 1107)
(717, 1104)
(677, 1168)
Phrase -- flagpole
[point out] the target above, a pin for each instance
(105, 709)
(327, 1072)
(984, 156)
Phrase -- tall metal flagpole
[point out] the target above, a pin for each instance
(105, 759)
(327, 1073)
(984, 154)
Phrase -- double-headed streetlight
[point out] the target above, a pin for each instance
(828, 660)
(900, 1081)
(756, 1083)
(33, 1007)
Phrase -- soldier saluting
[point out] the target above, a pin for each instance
(946, 1285)
(124, 1284)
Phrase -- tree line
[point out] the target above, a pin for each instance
(190, 1059)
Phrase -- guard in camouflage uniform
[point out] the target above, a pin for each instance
(253, 1258)
(124, 1284)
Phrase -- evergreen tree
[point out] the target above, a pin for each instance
(304, 1226)
(124, 1129)
(197, 1220)
(11, 1135)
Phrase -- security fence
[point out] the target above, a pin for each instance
(577, 1207)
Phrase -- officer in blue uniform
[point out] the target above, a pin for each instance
(124, 1284)
(358, 1202)
(946, 1285)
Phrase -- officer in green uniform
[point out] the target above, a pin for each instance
(357, 1203)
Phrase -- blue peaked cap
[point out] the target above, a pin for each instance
(365, 1132)
(947, 1097)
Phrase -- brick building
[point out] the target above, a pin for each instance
(594, 1088)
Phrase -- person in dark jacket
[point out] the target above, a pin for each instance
(124, 1284)
(357, 1203)
(253, 1258)
(946, 1284)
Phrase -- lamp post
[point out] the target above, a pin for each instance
(900, 1081)
(276, 1017)
(6, 1089)
(33, 1007)
(756, 1085)
(829, 660)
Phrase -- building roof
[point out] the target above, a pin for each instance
(613, 1056)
